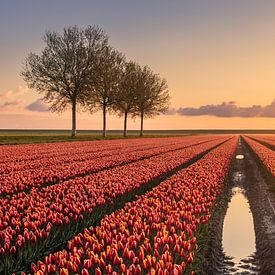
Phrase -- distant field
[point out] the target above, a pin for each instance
(41, 136)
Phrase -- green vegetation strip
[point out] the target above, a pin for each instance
(22, 139)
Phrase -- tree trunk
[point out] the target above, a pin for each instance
(104, 121)
(125, 124)
(141, 124)
(73, 118)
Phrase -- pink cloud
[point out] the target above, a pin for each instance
(10, 105)
(11, 94)
(12, 99)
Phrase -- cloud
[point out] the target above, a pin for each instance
(170, 112)
(10, 105)
(38, 106)
(11, 94)
(11, 100)
(228, 109)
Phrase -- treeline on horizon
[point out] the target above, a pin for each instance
(81, 70)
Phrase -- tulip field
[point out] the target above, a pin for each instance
(111, 207)
(155, 233)
(44, 166)
(266, 155)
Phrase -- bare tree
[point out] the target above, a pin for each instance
(66, 68)
(101, 96)
(125, 98)
(152, 95)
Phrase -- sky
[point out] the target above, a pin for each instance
(218, 57)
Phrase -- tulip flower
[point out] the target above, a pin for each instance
(98, 271)
(64, 271)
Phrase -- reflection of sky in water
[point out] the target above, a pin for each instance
(238, 230)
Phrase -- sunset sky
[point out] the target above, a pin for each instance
(217, 56)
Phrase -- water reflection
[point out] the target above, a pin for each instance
(238, 231)
(240, 157)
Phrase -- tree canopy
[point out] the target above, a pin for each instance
(152, 95)
(66, 67)
(80, 69)
(108, 75)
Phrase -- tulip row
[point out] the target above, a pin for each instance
(42, 150)
(266, 155)
(63, 168)
(18, 159)
(29, 152)
(270, 137)
(156, 234)
(269, 140)
(41, 219)
(17, 153)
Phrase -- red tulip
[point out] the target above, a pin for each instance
(64, 271)
(166, 248)
(183, 265)
(131, 255)
(189, 259)
(109, 269)
(117, 260)
(34, 267)
(88, 263)
(177, 248)
(101, 263)
(98, 271)
(13, 250)
(51, 268)
(123, 268)
(141, 253)
(72, 266)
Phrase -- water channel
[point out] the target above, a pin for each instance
(238, 229)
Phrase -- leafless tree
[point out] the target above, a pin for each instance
(152, 95)
(125, 98)
(67, 67)
(109, 73)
